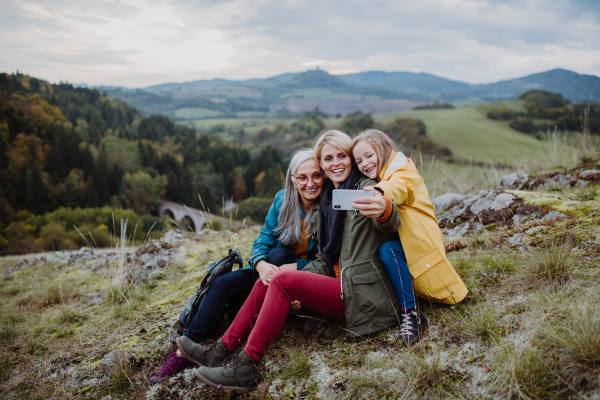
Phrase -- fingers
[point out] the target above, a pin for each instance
(295, 304)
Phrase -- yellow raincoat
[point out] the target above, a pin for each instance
(434, 278)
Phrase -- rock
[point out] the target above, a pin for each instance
(581, 183)
(173, 237)
(529, 209)
(115, 359)
(263, 389)
(517, 218)
(553, 215)
(514, 240)
(493, 208)
(458, 230)
(515, 181)
(457, 245)
(590, 174)
(446, 201)
(533, 230)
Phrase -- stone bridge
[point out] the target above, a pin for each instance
(189, 218)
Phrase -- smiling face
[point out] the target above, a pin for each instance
(366, 159)
(311, 190)
(336, 163)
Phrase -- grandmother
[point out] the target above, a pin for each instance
(286, 242)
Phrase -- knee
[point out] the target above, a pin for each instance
(390, 250)
(281, 278)
(385, 250)
(277, 256)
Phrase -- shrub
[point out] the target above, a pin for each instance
(216, 224)
(256, 208)
(525, 125)
(500, 114)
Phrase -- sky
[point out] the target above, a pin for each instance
(139, 43)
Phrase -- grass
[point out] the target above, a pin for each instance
(297, 367)
(471, 135)
(528, 329)
(527, 374)
(553, 263)
(481, 323)
(576, 341)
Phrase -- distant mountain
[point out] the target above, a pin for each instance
(573, 86)
(166, 87)
(371, 91)
(405, 81)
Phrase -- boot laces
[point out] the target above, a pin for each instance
(209, 345)
(407, 326)
(232, 362)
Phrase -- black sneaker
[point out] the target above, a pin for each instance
(413, 325)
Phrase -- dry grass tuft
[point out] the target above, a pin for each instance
(553, 263)
(297, 367)
(527, 374)
(576, 341)
(481, 323)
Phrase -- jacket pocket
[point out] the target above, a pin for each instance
(433, 276)
(369, 293)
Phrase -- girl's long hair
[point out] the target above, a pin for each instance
(380, 142)
(289, 227)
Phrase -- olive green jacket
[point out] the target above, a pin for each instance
(371, 302)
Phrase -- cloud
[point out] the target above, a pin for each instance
(142, 42)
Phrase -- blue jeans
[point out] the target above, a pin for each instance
(392, 257)
(229, 290)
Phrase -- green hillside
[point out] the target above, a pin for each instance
(470, 135)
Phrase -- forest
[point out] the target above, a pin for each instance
(65, 149)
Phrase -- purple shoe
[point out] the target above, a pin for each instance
(173, 366)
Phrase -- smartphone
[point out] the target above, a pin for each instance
(342, 198)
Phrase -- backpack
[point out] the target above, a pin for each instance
(213, 270)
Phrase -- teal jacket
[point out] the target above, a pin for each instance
(268, 240)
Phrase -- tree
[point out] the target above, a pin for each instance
(141, 192)
(357, 122)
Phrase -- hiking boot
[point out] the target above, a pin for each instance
(236, 374)
(173, 366)
(413, 325)
(208, 353)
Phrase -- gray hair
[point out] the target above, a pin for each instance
(290, 227)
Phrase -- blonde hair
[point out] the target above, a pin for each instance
(380, 142)
(335, 138)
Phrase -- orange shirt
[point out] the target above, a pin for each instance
(300, 248)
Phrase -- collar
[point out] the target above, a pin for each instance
(397, 161)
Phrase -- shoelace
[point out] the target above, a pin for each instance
(167, 365)
(406, 325)
(210, 344)
(232, 362)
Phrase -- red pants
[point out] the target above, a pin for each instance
(264, 312)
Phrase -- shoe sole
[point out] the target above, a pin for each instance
(187, 356)
(237, 389)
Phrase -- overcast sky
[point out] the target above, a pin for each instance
(138, 43)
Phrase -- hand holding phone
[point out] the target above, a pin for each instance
(342, 199)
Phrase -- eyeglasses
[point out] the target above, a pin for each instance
(315, 178)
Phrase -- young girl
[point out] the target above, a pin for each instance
(420, 251)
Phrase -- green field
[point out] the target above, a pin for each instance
(196, 112)
(472, 136)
